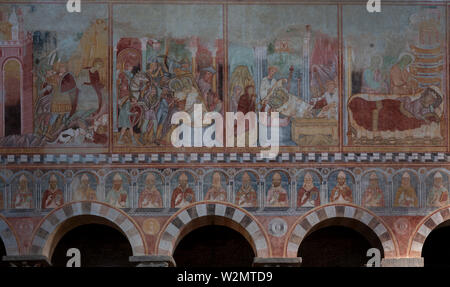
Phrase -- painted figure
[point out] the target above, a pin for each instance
(406, 194)
(118, 196)
(397, 115)
(53, 196)
(341, 193)
(150, 197)
(247, 102)
(402, 81)
(373, 195)
(438, 196)
(308, 195)
(246, 196)
(23, 197)
(268, 84)
(277, 196)
(182, 195)
(84, 191)
(216, 192)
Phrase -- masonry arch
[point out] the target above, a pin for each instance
(61, 220)
(437, 219)
(9, 237)
(212, 213)
(306, 223)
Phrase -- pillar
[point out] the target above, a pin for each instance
(27, 261)
(153, 261)
(260, 54)
(402, 262)
(144, 53)
(277, 262)
(306, 65)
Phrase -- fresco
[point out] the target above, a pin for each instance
(52, 187)
(56, 75)
(161, 69)
(308, 189)
(286, 61)
(406, 189)
(117, 186)
(277, 189)
(341, 187)
(215, 186)
(84, 187)
(22, 191)
(374, 190)
(436, 186)
(395, 82)
(246, 187)
(151, 186)
(183, 186)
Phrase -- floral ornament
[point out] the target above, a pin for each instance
(357, 171)
(101, 172)
(167, 171)
(68, 174)
(134, 172)
(38, 173)
(325, 171)
(262, 171)
(200, 171)
(231, 172)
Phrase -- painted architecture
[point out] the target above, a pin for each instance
(87, 99)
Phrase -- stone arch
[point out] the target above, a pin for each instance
(249, 227)
(317, 215)
(43, 237)
(9, 237)
(424, 228)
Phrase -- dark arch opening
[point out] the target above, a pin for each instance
(436, 248)
(338, 242)
(214, 246)
(2, 253)
(99, 245)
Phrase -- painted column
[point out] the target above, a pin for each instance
(193, 49)
(214, 79)
(306, 65)
(144, 53)
(115, 127)
(260, 54)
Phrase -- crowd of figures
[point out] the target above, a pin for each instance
(249, 188)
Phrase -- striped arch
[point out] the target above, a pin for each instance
(8, 237)
(424, 228)
(49, 226)
(305, 223)
(177, 223)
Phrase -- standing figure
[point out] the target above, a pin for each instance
(402, 81)
(53, 196)
(341, 192)
(247, 102)
(439, 193)
(277, 195)
(84, 191)
(246, 196)
(118, 196)
(150, 197)
(23, 197)
(267, 85)
(308, 195)
(124, 119)
(373, 196)
(216, 192)
(182, 195)
(406, 194)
